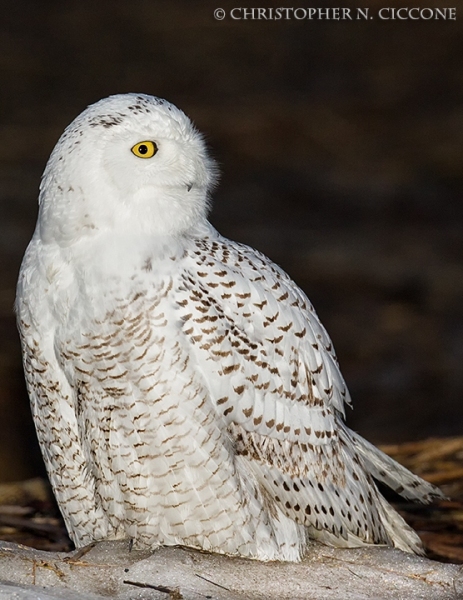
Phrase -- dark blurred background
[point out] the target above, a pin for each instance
(340, 145)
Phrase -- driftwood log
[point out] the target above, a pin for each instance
(110, 570)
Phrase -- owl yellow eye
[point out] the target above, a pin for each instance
(145, 149)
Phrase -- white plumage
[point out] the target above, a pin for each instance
(183, 389)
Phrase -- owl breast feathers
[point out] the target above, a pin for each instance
(183, 388)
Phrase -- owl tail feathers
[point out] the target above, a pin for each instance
(385, 469)
(399, 533)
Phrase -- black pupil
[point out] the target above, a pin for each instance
(143, 149)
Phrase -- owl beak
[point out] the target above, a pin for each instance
(189, 186)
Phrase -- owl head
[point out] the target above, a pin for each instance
(131, 163)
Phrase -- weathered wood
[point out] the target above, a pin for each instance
(109, 569)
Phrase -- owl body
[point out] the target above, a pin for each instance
(182, 386)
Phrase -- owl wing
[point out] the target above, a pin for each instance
(52, 404)
(271, 368)
(263, 337)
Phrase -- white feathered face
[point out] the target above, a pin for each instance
(130, 162)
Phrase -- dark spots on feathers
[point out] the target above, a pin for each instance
(106, 121)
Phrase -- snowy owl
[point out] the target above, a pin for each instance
(183, 388)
